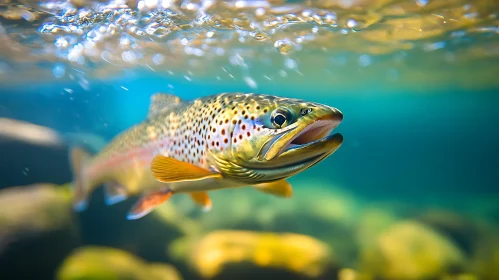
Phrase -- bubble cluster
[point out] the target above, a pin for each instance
(172, 37)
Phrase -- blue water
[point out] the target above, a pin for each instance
(398, 145)
(417, 173)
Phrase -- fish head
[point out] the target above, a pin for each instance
(269, 138)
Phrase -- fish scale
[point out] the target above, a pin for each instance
(205, 144)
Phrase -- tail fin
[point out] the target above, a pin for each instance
(79, 159)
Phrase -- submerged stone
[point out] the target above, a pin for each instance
(410, 250)
(108, 263)
(245, 255)
(37, 230)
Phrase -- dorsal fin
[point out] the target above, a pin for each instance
(163, 101)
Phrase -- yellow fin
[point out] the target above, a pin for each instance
(202, 199)
(280, 188)
(168, 170)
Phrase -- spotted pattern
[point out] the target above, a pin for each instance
(189, 130)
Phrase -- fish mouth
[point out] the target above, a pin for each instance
(312, 134)
(304, 142)
(314, 142)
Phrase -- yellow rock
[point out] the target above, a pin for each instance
(409, 250)
(33, 210)
(294, 253)
(350, 274)
(110, 263)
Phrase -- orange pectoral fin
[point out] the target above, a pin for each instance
(148, 203)
(168, 170)
(202, 199)
(280, 188)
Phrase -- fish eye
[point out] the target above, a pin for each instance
(279, 118)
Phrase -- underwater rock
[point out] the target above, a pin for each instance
(463, 232)
(246, 255)
(410, 250)
(372, 222)
(32, 153)
(108, 263)
(476, 237)
(351, 274)
(316, 209)
(485, 260)
(37, 230)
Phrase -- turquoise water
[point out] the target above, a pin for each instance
(415, 80)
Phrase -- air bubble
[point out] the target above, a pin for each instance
(75, 53)
(422, 3)
(283, 46)
(128, 56)
(260, 12)
(260, 36)
(364, 60)
(290, 63)
(94, 35)
(59, 70)
(351, 23)
(250, 82)
(61, 43)
(158, 59)
(434, 46)
(125, 42)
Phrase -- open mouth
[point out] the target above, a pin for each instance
(316, 132)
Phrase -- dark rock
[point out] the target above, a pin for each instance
(37, 230)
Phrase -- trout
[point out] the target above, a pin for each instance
(216, 142)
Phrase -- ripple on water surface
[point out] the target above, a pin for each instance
(323, 42)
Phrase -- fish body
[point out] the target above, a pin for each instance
(215, 142)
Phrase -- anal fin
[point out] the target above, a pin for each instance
(114, 193)
(202, 199)
(280, 188)
(147, 203)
